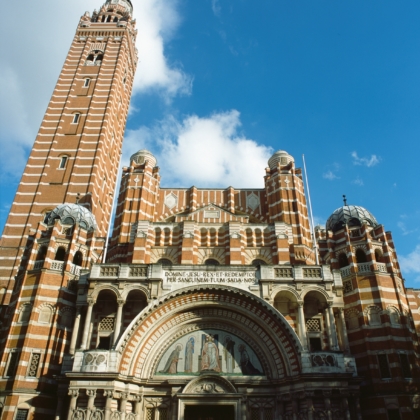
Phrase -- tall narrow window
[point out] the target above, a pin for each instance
(22, 414)
(63, 162)
(405, 365)
(87, 82)
(13, 364)
(76, 118)
(384, 366)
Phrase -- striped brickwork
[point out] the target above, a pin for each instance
(381, 316)
(84, 123)
(232, 226)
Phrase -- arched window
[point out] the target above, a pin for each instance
(394, 316)
(78, 258)
(103, 18)
(42, 252)
(99, 59)
(360, 256)
(211, 262)
(60, 254)
(25, 313)
(164, 261)
(258, 262)
(63, 160)
(76, 117)
(374, 316)
(342, 260)
(115, 19)
(45, 315)
(109, 19)
(378, 256)
(353, 321)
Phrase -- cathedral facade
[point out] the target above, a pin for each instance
(202, 303)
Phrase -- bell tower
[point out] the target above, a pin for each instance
(76, 153)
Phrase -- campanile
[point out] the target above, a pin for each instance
(76, 153)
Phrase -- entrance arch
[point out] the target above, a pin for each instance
(209, 396)
(205, 307)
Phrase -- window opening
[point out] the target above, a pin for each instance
(25, 313)
(87, 81)
(360, 256)
(394, 414)
(342, 260)
(63, 160)
(164, 261)
(211, 262)
(76, 118)
(405, 365)
(22, 414)
(13, 363)
(60, 254)
(78, 258)
(384, 366)
(104, 343)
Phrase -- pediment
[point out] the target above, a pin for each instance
(211, 213)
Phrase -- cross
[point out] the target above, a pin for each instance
(345, 200)
(136, 179)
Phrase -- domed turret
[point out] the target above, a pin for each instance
(281, 157)
(351, 216)
(69, 214)
(125, 3)
(142, 156)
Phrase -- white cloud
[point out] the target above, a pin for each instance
(156, 22)
(31, 63)
(365, 161)
(404, 229)
(206, 152)
(411, 262)
(215, 5)
(330, 175)
(358, 181)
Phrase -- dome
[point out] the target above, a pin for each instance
(69, 214)
(125, 3)
(351, 216)
(144, 155)
(281, 157)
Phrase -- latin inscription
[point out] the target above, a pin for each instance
(210, 277)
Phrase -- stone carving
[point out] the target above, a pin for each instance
(323, 360)
(208, 388)
(79, 414)
(252, 201)
(171, 201)
(95, 362)
(97, 415)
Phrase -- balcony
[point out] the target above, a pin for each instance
(328, 362)
(57, 265)
(38, 265)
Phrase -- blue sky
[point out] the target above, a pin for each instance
(222, 84)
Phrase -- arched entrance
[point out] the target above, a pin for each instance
(209, 397)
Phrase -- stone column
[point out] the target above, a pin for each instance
(88, 319)
(118, 320)
(137, 406)
(243, 407)
(310, 405)
(302, 326)
(123, 404)
(344, 330)
(75, 333)
(280, 407)
(327, 404)
(345, 405)
(109, 396)
(295, 405)
(74, 393)
(91, 393)
(328, 324)
(333, 330)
